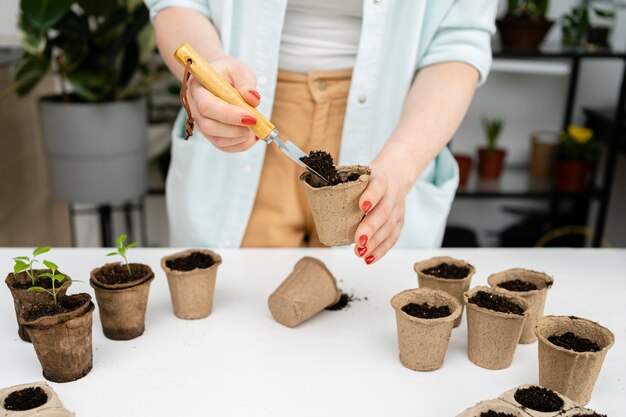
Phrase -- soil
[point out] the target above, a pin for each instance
(448, 271)
(572, 342)
(539, 399)
(25, 399)
(322, 163)
(344, 301)
(518, 285)
(492, 413)
(589, 415)
(496, 302)
(426, 311)
(112, 274)
(64, 305)
(190, 262)
(23, 281)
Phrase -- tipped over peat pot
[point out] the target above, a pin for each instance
(571, 354)
(31, 400)
(191, 276)
(451, 275)
(538, 401)
(424, 318)
(122, 298)
(62, 336)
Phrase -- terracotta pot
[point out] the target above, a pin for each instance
(465, 168)
(490, 163)
(22, 299)
(572, 176)
(192, 291)
(123, 306)
(52, 406)
(522, 33)
(498, 406)
(63, 341)
(335, 209)
(509, 397)
(541, 156)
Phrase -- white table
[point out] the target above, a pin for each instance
(239, 362)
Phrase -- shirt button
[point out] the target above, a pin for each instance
(247, 169)
(321, 84)
(362, 99)
(262, 80)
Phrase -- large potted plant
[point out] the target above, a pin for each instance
(94, 130)
(575, 155)
(524, 26)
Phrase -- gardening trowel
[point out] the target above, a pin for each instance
(216, 84)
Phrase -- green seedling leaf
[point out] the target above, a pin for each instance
(58, 277)
(21, 258)
(20, 266)
(122, 251)
(33, 289)
(132, 245)
(47, 275)
(51, 265)
(112, 254)
(43, 249)
(120, 239)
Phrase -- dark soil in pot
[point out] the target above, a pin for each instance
(573, 342)
(322, 163)
(25, 399)
(426, 311)
(518, 285)
(116, 274)
(539, 399)
(190, 262)
(496, 303)
(589, 415)
(448, 271)
(492, 413)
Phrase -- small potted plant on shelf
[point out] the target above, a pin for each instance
(491, 158)
(30, 400)
(465, 168)
(574, 157)
(122, 294)
(524, 26)
(601, 21)
(574, 26)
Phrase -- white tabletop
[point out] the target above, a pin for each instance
(239, 362)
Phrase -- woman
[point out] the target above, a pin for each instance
(378, 82)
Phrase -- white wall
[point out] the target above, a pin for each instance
(8, 22)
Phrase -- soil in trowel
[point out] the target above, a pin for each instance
(496, 302)
(322, 163)
(426, 311)
(25, 399)
(518, 285)
(572, 342)
(447, 271)
(539, 399)
(64, 305)
(113, 274)
(492, 413)
(190, 262)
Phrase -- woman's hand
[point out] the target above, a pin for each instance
(223, 124)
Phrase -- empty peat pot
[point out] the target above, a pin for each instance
(497, 408)
(63, 339)
(335, 208)
(308, 289)
(563, 369)
(530, 285)
(191, 276)
(451, 275)
(122, 298)
(31, 400)
(538, 401)
(494, 325)
(423, 341)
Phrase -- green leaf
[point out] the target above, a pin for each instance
(122, 251)
(120, 240)
(33, 289)
(87, 83)
(112, 254)
(51, 265)
(98, 7)
(45, 13)
(20, 266)
(28, 72)
(46, 274)
(41, 250)
(129, 64)
(21, 258)
(132, 245)
(58, 277)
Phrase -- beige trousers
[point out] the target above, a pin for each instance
(309, 110)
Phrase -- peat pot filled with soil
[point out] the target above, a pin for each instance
(61, 336)
(31, 400)
(538, 401)
(424, 319)
(122, 297)
(191, 278)
(23, 299)
(493, 408)
(451, 275)
(571, 354)
(530, 285)
(495, 319)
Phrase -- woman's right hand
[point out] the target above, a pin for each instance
(223, 124)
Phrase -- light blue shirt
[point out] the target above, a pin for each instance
(210, 193)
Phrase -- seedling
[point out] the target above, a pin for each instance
(25, 264)
(492, 128)
(55, 277)
(121, 251)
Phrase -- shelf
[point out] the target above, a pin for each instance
(520, 66)
(557, 51)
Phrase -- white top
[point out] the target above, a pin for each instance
(320, 35)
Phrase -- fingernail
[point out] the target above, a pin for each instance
(363, 240)
(256, 137)
(255, 93)
(366, 207)
(370, 259)
(362, 251)
(248, 120)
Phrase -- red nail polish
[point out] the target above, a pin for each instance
(363, 240)
(367, 206)
(362, 251)
(370, 259)
(256, 137)
(248, 120)
(255, 93)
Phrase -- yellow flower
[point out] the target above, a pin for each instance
(579, 134)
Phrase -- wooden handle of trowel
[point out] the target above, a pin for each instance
(216, 84)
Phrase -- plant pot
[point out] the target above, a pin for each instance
(122, 306)
(335, 209)
(572, 176)
(543, 146)
(522, 33)
(571, 373)
(192, 290)
(564, 404)
(490, 163)
(43, 401)
(308, 289)
(492, 335)
(63, 341)
(22, 299)
(96, 151)
(423, 341)
(498, 406)
(465, 168)
(536, 298)
(597, 38)
(455, 287)
(581, 412)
